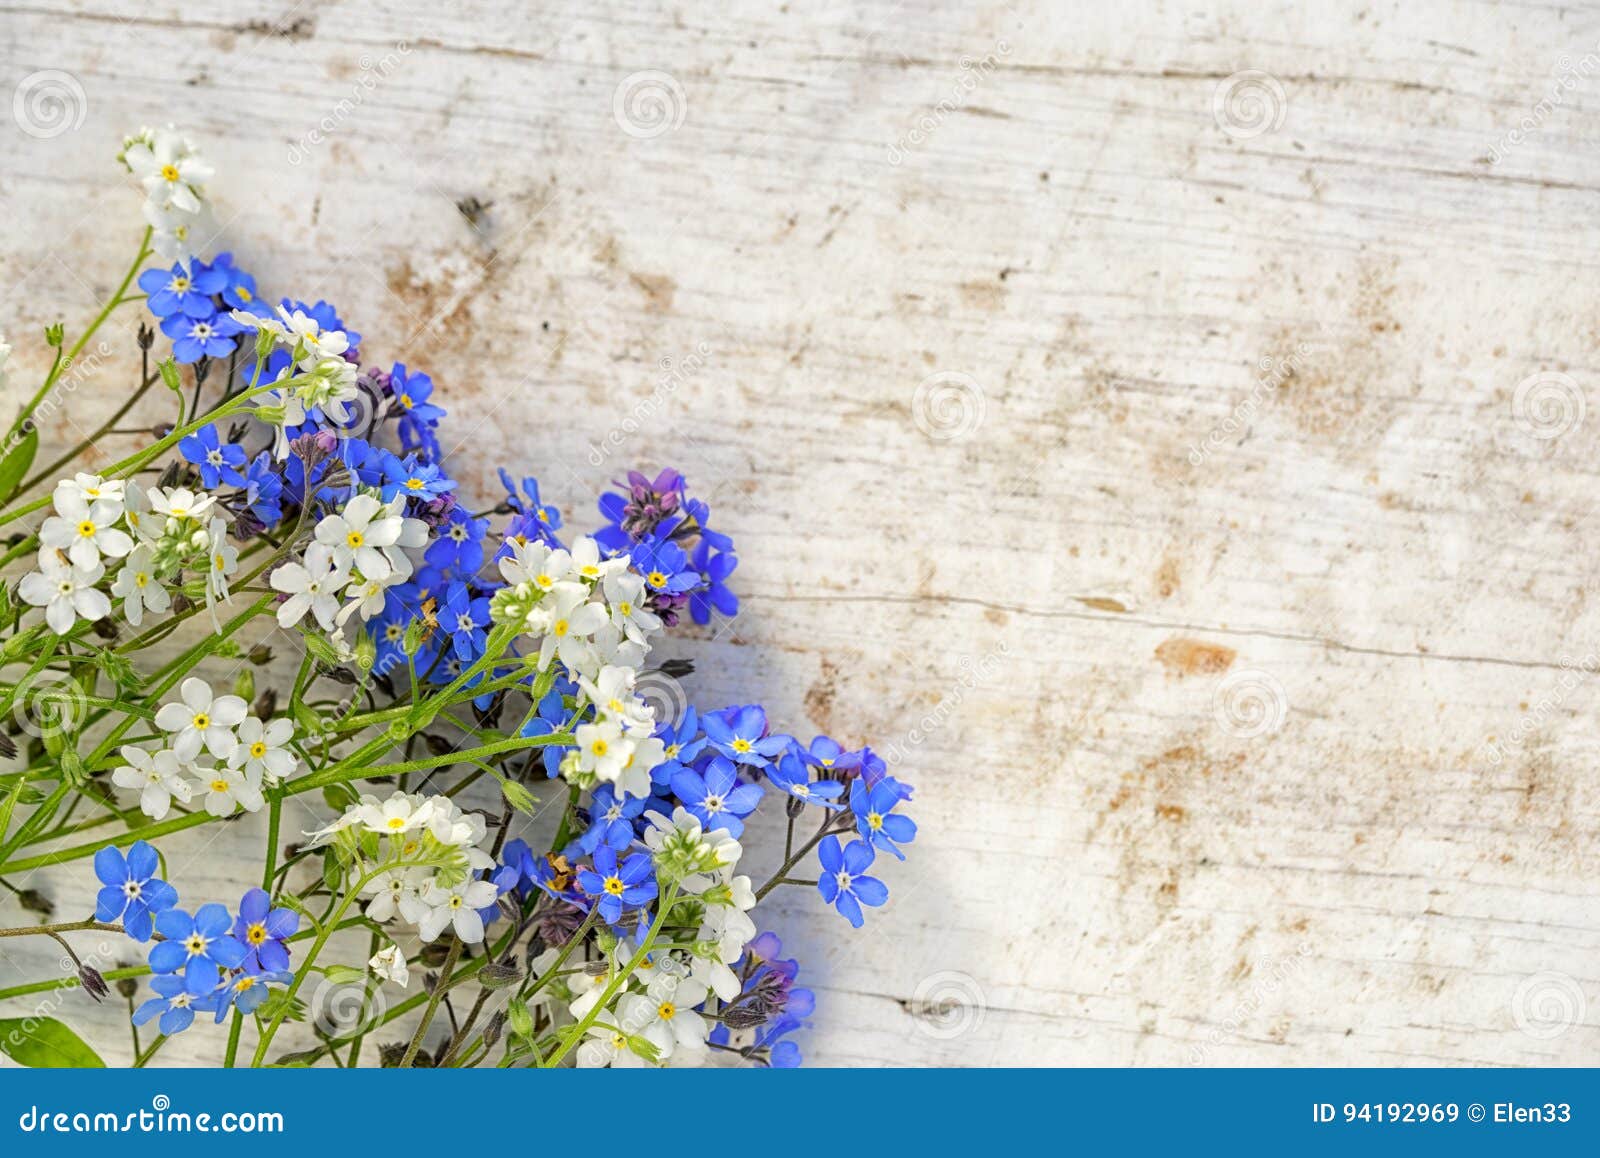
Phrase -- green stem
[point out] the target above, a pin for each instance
(433, 1004)
(329, 927)
(618, 982)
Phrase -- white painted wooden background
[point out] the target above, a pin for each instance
(1088, 387)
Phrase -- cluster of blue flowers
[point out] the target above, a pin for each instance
(770, 1003)
(207, 962)
(718, 767)
(195, 302)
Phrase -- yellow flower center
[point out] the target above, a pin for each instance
(657, 579)
(560, 628)
(258, 750)
(219, 786)
(202, 721)
(86, 529)
(244, 294)
(741, 745)
(625, 607)
(414, 484)
(354, 539)
(396, 823)
(874, 821)
(141, 579)
(614, 886)
(256, 934)
(667, 1010)
(405, 402)
(180, 285)
(600, 747)
(169, 172)
(195, 945)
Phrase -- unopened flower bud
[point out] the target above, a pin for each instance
(93, 983)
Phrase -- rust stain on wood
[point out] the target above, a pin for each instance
(1187, 657)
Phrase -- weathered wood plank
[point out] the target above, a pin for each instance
(851, 247)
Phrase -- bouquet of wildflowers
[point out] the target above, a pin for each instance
(456, 672)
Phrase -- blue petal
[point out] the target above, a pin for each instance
(174, 924)
(138, 922)
(857, 856)
(109, 903)
(142, 861)
(212, 920)
(849, 909)
(870, 890)
(159, 895)
(167, 956)
(109, 866)
(227, 952)
(202, 976)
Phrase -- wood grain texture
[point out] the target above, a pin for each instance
(1058, 413)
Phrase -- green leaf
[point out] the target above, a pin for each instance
(14, 467)
(321, 650)
(293, 1010)
(340, 796)
(43, 1043)
(10, 805)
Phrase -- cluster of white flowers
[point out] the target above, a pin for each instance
(356, 555)
(433, 899)
(318, 376)
(171, 529)
(657, 1004)
(174, 177)
(589, 613)
(215, 749)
